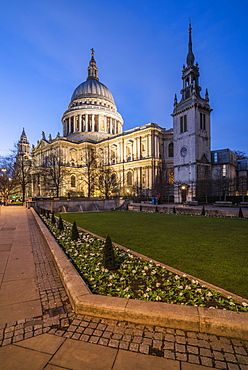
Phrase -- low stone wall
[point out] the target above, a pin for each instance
(187, 210)
(78, 205)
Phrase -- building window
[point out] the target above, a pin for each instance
(215, 157)
(171, 150)
(73, 181)
(183, 124)
(129, 178)
(202, 121)
(224, 170)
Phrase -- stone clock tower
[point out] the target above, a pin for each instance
(191, 124)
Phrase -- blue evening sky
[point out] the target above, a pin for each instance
(140, 47)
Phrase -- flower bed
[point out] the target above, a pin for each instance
(135, 278)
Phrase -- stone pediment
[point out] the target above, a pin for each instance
(204, 159)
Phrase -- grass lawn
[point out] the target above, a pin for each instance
(212, 249)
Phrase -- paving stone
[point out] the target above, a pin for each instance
(157, 344)
(180, 348)
(134, 347)
(143, 348)
(127, 337)
(233, 367)
(180, 340)
(84, 337)
(205, 352)
(193, 359)
(229, 357)
(169, 338)
(220, 365)
(123, 345)
(242, 359)
(113, 343)
(148, 341)
(94, 339)
(116, 336)
(169, 354)
(193, 350)
(181, 356)
(137, 340)
(158, 335)
(240, 351)
(103, 341)
(107, 334)
(206, 361)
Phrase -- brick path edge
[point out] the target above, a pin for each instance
(198, 319)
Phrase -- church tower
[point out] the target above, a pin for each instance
(191, 125)
(23, 146)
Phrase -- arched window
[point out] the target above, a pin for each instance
(129, 178)
(73, 181)
(171, 150)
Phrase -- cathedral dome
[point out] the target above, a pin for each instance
(92, 113)
(92, 89)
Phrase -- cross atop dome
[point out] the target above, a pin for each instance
(92, 69)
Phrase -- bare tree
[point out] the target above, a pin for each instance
(21, 173)
(107, 181)
(240, 155)
(7, 183)
(89, 160)
(55, 170)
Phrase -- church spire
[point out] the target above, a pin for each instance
(92, 69)
(190, 57)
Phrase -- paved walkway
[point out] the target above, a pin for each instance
(39, 330)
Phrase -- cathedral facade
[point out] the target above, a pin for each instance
(146, 160)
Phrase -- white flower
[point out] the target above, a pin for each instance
(148, 289)
(146, 295)
(153, 272)
(244, 304)
(180, 287)
(232, 304)
(209, 294)
(188, 287)
(157, 285)
(133, 271)
(184, 275)
(198, 291)
(158, 298)
(146, 268)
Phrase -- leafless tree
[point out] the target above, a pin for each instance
(55, 170)
(89, 162)
(22, 177)
(7, 183)
(107, 181)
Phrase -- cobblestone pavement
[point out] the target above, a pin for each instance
(59, 319)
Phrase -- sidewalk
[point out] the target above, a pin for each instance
(39, 330)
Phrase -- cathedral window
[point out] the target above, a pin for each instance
(183, 124)
(202, 121)
(171, 150)
(73, 181)
(129, 178)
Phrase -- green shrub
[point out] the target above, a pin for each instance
(109, 260)
(53, 219)
(60, 224)
(241, 213)
(74, 232)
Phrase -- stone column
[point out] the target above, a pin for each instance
(80, 123)
(93, 123)
(86, 123)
